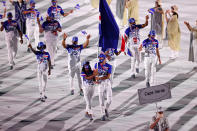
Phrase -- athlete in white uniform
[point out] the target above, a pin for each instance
(43, 69)
(103, 71)
(11, 28)
(74, 63)
(32, 16)
(51, 28)
(151, 54)
(88, 78)
(133, 41)
(110, 54)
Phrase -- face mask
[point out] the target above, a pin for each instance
(54, 3)
(33, 7)
(9, 18)
(152, 37)
(86, 67)
(101, 60)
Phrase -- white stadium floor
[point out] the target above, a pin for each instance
(20, 108)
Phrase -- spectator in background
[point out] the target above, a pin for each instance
(157, 21)
(193, 42)
(133, 9)
(173, 30)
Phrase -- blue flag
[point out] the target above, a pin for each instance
(108, 28)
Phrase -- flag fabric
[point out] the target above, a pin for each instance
(84, 32)
(108, 28)
(27, 37)
(77, 6)
(129, 52)
(123, 44)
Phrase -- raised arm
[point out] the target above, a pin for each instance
(166, 15)
(4, 13)
(146, 22)
(67, 13)
(189, 26)
(32, 49)
(87, 41)
(64, 40)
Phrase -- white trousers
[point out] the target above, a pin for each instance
(33, 33)
(51, 44)
(113, 64)
(42, 79)
(88, 95)
(135, 59)
(150, 68)
(12, 46)
(105, 86)
(72, 71)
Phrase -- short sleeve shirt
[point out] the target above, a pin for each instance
(51, 25)
(57, 11)
(42, 57)
(103, 70)
(10, 26)
(89, 82)
(150, 46)
(32, 15)
(74, 52)
(133, 31)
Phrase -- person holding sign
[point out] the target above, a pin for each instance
(132, 39)
(151, 53)
(32, 16)
(11, 28)
(103, 71)
(43, 69)
(159, 121)
(74, 63)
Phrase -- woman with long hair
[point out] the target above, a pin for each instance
(88, 78)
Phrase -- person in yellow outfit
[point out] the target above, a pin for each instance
(95, 3)
(173, 30)
(133, 9)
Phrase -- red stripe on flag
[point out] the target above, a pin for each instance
(123, 44)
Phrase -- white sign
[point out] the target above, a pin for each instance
(154, 94)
